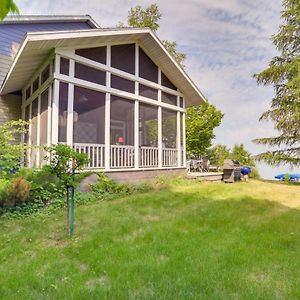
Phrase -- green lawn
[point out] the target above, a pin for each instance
(190, 241)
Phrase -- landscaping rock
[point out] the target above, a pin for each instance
(85, 183)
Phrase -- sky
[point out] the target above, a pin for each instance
(226, 42)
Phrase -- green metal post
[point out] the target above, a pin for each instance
(72, 208)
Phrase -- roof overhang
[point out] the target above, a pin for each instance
(37, 46)
(32, 19)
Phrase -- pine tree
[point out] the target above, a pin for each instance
(284, 74)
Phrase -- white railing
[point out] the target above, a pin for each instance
(169, 157)
(148, 157)
(121, 156)
(95, 153)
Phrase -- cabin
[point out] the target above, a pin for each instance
(115, 94)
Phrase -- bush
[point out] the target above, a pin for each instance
(17, 191)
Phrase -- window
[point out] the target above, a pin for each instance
(43, 125)
(169, 128)
(123, 57)
(88, 116)
(121, 121)
(90, 74)
(64, 66)
(122, 84)
(35, 85)
(28, 92)
(168, 98)
(148, 92)
(45, 74)
(33, 132)
(166, 82)
(181, 102)
(148, 70)
(97, 54)
(63, 112)
(148, 125)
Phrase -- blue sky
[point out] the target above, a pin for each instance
(226, 42)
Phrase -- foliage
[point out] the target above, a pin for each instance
(7, 6)
(200, 123)
(10, 148)
(171, 47)
(217, 154)
(149, 17)
(283, 73)
(243, 156)
(17, 191)
(64, 162)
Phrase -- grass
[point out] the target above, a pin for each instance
(192, 240)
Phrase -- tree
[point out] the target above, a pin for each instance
(218, 154)
(243, 156)
(10, 148)
(149, 17)
(283, 73)
(64, 162)
(7, 6)
(200, 123)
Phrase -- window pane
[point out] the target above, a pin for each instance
(45, 74)
(35, 85)
(181, 102)
(148, 70)
(148, 92)
(122, 121)
(33, 131)
(97, 54)
(148, 125)
(181, 137)
(44, 118)
(64, 66)
(26, 135)
(28, 92)
(169, 128)
(88, 116)
(168, 98)
(122, 84)
(166, 82)
(90, 74)
(63, 112)
(123, 57)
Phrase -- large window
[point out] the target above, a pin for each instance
(166, 82)
(121, 121)
(123, 57)
(148, 92)
(63, 112)
(97, 54)
(148, 125)
(122, 84)
(169, 128)
(88, 116)
(90, 74)
(148, 69)
(168, 98)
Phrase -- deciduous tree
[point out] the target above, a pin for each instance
(6, 7)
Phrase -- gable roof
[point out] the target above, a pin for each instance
(25, 19)
(37, 46)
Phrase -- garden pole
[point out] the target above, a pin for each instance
(72, 207)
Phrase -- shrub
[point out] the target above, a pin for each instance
(17, 191)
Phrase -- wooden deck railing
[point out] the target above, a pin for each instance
(148, 157)
(170, 157)
(121, 156)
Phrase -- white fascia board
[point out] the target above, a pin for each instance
(158, 41)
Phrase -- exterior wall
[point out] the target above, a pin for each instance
(144, 175)
(11, 35)
(10, 108)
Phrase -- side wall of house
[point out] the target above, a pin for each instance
(10, 108)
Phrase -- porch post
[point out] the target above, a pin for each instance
(55, 102)
(184, 139)
(70, 105)
(159, 121)
(136, 111)
(107, 113)
(178, 140)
